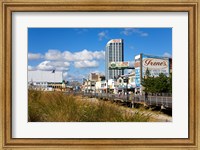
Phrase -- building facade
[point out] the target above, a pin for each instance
(96, 77)
(126, 83)
(114, 53)
(45, 80)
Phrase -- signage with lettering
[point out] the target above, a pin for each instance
(155, 65)
(119, 65)
(137, 77)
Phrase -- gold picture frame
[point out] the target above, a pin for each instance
(9, 6)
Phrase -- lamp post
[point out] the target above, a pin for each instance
(126, 81)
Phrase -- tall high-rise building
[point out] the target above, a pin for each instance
(114, 53)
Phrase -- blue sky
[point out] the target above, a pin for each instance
(78, 51)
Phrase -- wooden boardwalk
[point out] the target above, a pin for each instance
(164, 102)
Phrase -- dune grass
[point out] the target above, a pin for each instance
(60, 107)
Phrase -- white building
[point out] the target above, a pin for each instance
(45, 80)
(99, 87)
(89, 86)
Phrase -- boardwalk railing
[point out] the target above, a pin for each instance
(162, 101)
(158, 101)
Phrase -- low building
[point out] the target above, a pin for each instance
(93, 84)
(112, 86)
(46, 80)
(89, 86)
(126, 83)
(98, 87)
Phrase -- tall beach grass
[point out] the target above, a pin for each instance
(60, 107)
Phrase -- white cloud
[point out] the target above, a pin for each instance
(130, 31)
(60, 64)
(99, 54)
(53, 55)
(86, 64)
(167, 55)
(45, 65)
(55, 59)
(83, 55)
(32, 56)
(73, 77)
(30, 68)
(65, 74)
(76, 56)
(102, 35)
(57, 65)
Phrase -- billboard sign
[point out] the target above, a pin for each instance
(119, 65)
(155, 65)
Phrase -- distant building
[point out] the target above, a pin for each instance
(89, 86)
(93, 83)
(114, 53)
(96, 77)
(93, 76)
(126, 83)
(45, 80)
